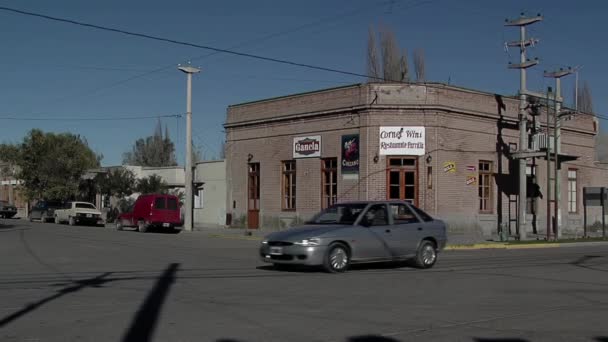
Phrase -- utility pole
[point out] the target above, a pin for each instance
(523, 64)
(557, 143)
(548, 191)
(189, 70)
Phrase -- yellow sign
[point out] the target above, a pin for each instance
(449, 166)
(471, 180)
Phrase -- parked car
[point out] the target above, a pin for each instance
(45, 210)
(152, 211)
(7, 210)
(359, 232)
(78, 213)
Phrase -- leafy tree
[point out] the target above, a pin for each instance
(116, 182)
(151, 185)
(51, 165)
(155, 150)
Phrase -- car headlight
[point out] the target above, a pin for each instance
(264, 242)
(308, 242)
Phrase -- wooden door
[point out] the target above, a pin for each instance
(253, 202)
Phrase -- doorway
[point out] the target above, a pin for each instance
(402, 179)
(253, 202)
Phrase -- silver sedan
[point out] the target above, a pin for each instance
(359, 232)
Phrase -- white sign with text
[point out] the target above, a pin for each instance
(402, 141)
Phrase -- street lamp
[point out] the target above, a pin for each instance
(189, 70)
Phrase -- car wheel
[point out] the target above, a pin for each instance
(426, 255)
(71, 221)
(142, 227)
(119, 225)
(337, 258)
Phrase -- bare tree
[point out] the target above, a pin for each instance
(585, 100)
(403, 65)
(419, 66)
(373, 66)
(391, 68)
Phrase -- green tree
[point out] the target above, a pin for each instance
(116, 182)
(51, 165)
(155, 150)
(151, 185)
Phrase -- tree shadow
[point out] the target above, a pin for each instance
(77, 286)
(143, 324)
(145, 320)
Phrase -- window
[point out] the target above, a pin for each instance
(329, 186)
(572, 204)
(532, 190)
(171, 204)
(402, 214)
(289, 185)
(424, 216)
(159, 203)
(377, 215)
(198, 199)
(85, 206)
(485, 186)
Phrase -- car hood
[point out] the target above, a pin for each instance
(304, 232)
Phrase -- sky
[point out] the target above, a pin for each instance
(52, 73)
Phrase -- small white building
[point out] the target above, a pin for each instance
(210, 194)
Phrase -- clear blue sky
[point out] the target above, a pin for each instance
(57, 70)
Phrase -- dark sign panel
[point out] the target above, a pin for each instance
(350, 156)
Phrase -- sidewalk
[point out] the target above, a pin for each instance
(455, 241)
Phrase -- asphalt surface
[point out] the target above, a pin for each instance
(61, 283)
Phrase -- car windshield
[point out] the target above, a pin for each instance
(85, 206)
(339, 214)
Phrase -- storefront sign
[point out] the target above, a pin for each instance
(449, 166)
(402, 141)
(307, 147)
(350, 156)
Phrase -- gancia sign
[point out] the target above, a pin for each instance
(402, 141)
(307, 147)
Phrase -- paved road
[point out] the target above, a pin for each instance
(60, 283)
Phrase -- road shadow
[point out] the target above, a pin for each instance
(601, 339)
(144, 323)
(145, 320)
(371, 338)
(319, 269)
(505, 339)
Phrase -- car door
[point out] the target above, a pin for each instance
(377, 220)
(406, 229)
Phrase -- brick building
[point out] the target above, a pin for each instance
(446, 149)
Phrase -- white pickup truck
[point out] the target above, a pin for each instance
(78, 213)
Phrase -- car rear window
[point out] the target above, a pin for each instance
(85, 206)
(171, 204)
(424, 216)
(159, 203)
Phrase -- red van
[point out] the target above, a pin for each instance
(151, 211)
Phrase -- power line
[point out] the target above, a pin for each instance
(23, 118)
(198, 46)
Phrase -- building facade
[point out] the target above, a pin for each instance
(448, 150)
